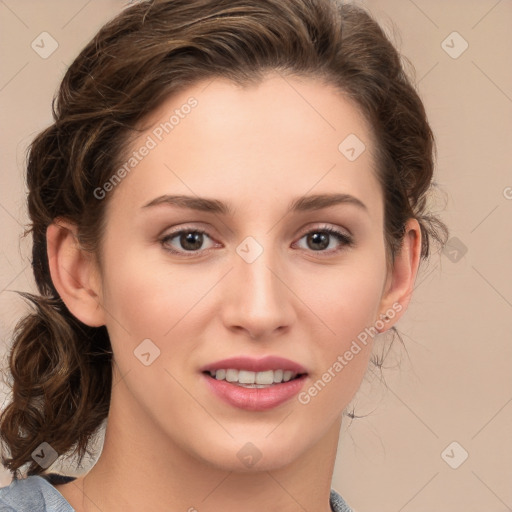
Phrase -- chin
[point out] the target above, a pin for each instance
(253, 456)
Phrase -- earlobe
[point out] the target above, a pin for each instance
(400, 283)
(74, 273)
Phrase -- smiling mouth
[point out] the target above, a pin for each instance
(250, 379)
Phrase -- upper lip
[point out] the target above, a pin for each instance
(255, 365)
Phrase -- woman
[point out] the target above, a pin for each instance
(227, 210)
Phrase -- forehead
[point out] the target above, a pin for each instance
(278, 139)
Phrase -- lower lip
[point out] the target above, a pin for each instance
(255, 399)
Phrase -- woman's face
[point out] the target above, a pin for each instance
(258, 276)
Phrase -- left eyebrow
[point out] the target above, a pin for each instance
(319, 201)
(300, 204)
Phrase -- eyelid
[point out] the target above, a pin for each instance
(186, 229)
(345, 238)
(327, 227)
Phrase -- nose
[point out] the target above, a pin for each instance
(258, 297)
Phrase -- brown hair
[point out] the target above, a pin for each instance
(61, 368)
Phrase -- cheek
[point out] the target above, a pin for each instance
(347, 302)
(131, 296)
(343, 354)
(347, 297)
(143, 290)
(148, 298)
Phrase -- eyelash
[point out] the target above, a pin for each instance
(344, 239)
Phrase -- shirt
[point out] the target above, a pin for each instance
(37, 493)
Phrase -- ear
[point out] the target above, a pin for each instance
(401, 277)
(74, 273)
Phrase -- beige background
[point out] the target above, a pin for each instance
(456, 383)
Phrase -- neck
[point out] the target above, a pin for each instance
(141, 468)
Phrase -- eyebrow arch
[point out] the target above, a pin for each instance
(300, 204)
(319, 201)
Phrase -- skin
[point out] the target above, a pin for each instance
(170, 444)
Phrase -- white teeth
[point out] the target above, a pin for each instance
(231, 375)
(265, 377)
(245, 377)
(287, 375)
(253, 379)
(278, 375)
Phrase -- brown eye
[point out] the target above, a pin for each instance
(317, 240)
(185, 240)
(191, 241)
